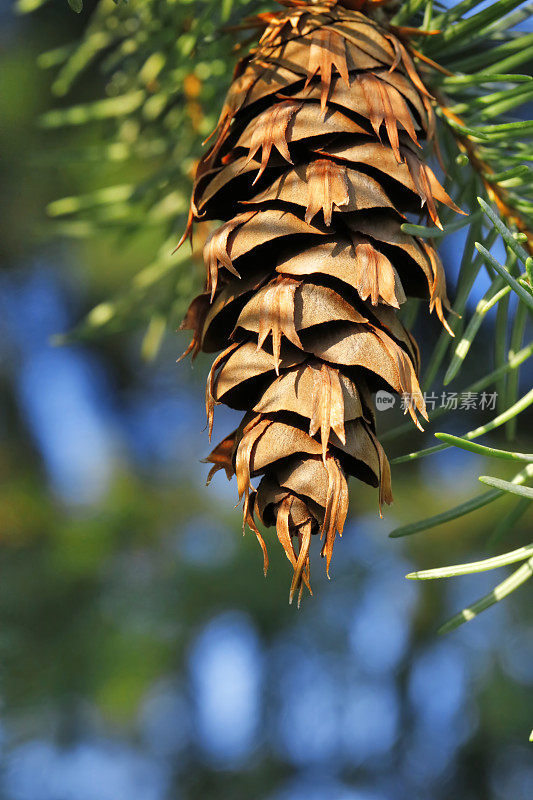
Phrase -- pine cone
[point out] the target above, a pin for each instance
(316, 161)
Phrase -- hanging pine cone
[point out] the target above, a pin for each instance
(316, 161)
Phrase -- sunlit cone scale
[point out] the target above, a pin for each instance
(313, 166)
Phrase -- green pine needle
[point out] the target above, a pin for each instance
(474, 566)
(482, 450)
(506, 486)
(462, 509)
(520, 576)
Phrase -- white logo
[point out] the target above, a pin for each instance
(384, 400)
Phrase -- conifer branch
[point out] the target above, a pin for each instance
(421, 61)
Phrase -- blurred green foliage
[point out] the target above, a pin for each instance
(164, 68)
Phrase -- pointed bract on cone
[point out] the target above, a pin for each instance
(314, 163)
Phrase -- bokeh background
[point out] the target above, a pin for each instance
(143, 656)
